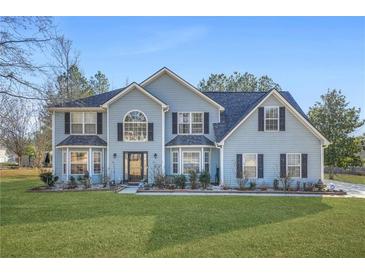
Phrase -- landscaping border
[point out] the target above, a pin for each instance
(187, 191)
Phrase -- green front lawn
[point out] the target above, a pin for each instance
(105, 224)
(354, 179)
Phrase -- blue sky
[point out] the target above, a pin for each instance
(305, 55)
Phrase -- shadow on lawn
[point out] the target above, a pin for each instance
(194, 220)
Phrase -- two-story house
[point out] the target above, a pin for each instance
(165, 124)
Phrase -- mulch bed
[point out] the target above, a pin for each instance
(339, 192)
(55, 190)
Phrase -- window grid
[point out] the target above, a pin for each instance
(191, 161)
(190, 123)
(78, 163)
(64, 162)
(175, 162)
(97, 162)
(250, 165)
(83, 122)
(294, 165)
(272, 118)
(206, 160)
(135, 127)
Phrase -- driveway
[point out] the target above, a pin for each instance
(353, 190)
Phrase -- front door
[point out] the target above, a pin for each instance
(135, 166)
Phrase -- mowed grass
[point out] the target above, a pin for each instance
(105, 224)
(354, 179)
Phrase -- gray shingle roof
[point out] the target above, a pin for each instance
(190, 140)
(237, 105)
(96, 100)
(83, 140)
(92, 101)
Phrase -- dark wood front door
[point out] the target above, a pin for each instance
(135, 166)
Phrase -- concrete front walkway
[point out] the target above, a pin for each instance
(353, 190)
(129, 190)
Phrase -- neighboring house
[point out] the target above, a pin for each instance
(165, 124)
(3, 155)
(6, 157)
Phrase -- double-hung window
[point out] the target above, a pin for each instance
(294, 164)
(64, 162)
(206, 160)
(190, 123)
(197, 123)
(83, 122)
(78, 163)
(272, 118)
(90, 122)
(97, 162)
(77, 120)
(175, 162)
(250, 165)
(184, 123)
(191, 161)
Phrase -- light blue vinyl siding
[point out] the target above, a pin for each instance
(134, 100)
(181, 99)
(247, 139)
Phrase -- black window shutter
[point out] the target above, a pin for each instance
(150, 131)
(261, 119)
(174, 123)
(282, 118)
(67, 123)
(304, 165)
(239, 166)
(260, 159)
(282, 165)
(120, 132)
(99, 123)
(206, 122)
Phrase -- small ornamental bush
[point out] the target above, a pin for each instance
(204, 179)
(193, 177)
(276, 184)
(48, 178)
(180, 181)
(72, 183)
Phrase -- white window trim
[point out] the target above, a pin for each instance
(135, 141)
(172, 161)
(183, 157)
(243, 164)
(204, 162)
(190, 123)
(101, 162)
(87, 161)
(268, 107)
(300, 164)
(83, 124)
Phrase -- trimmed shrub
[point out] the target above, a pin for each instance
(193, 177)
(180, 181)
(204, 179)
(48, 178)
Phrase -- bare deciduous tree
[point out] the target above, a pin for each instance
(14, 125)
(22, 41)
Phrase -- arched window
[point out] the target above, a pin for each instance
(135, 127)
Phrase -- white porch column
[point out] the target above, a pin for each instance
(322, 163)
(108, 142)
(221, 170)
(53, 144)
(90, 162)
(180, 161)
(67, 164)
